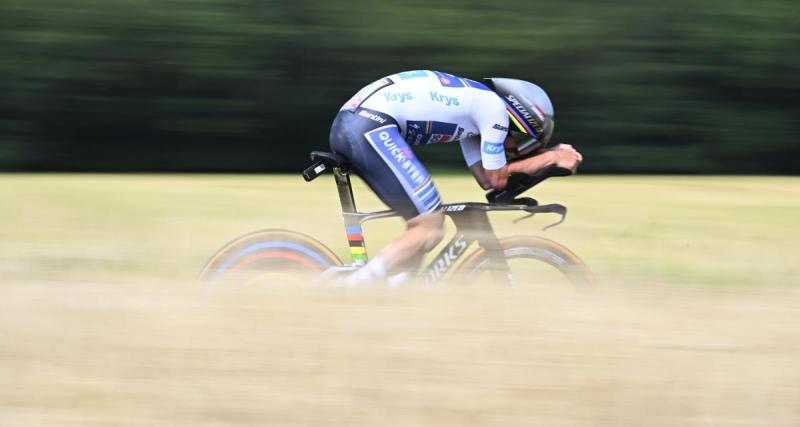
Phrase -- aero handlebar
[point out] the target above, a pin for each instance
(520, 182)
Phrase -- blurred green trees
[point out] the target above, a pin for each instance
(245, 85)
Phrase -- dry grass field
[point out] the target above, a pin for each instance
(695, 320)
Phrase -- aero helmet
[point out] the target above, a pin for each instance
(530, 113)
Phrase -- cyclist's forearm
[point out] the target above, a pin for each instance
(533, 164)
(489, 179)
(479, 174)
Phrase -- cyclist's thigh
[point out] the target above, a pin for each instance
(372, 142)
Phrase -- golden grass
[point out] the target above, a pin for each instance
(83, 354)
(695, 321)
(707, 231)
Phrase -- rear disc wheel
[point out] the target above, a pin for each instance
(269, 257)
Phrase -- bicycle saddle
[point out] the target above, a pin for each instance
(330, 159)
(324, 162)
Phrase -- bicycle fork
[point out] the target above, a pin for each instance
(478, 228)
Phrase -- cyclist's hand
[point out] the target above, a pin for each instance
(497, 178)
(565, 156)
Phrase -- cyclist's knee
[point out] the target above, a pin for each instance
(431, 225)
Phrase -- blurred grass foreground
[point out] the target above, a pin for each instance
(695, 320)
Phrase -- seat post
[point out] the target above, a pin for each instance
(345, 190)
(352, 221)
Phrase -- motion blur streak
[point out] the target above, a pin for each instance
(215, 85)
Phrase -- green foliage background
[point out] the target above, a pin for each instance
(238, 85)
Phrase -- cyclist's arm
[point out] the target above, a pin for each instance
(562, 155)
(489, 113)
(528, 166)
(485, 179)
(471, 149)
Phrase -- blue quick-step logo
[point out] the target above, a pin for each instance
(415, 180)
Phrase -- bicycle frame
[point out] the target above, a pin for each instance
(471, 221)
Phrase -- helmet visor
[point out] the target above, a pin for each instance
(527, 144)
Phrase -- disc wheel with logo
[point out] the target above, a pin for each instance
(269, 257)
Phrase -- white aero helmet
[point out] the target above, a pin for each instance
(530, 113)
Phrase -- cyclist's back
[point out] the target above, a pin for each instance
(434, 107)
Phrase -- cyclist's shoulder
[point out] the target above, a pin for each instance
(469, 92)
(440, 78)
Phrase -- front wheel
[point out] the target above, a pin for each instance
(530, 259)
(269, 257)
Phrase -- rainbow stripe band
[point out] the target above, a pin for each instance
(358, 250)
(422, 186)
(518, 120)
(355, 237)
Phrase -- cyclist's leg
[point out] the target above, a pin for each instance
(382, 158)
(423, 233)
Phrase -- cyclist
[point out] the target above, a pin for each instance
(500, 124)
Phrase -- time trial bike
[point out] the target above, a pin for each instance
(277, 255)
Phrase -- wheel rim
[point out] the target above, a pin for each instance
(269, 256)
(531, 259)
